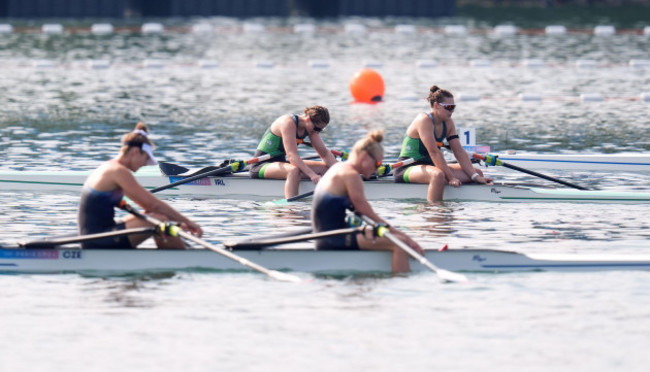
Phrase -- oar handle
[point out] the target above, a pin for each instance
(384, 170)
(493, 160)
(293, 239)
(228, 168)
(174, 230)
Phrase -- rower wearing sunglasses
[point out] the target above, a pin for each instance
(281, 140)
(422, 142)
(341, 189)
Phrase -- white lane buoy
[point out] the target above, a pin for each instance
(455, 30)
(304, 28)
(318, 63)
(52, 28)
(355, 28)
(586, 63)
(604, 30)
(99, 64)
(405, 29)
(153, 63)
(202, 28)
(530, 97)
(426, 63)
(208, 64)
(591, 97)
(253, 27)
(505, 30)
(6, 28)
(469, 97)
(101, 29)
(555, 30)
(152, 28)
(480, 63)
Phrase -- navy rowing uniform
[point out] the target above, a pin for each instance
(329, 213)
(96, 214)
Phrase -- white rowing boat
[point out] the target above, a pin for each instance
(632, 162)
(240, 186)
(301, 260)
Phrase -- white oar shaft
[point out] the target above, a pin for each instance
(271, 273)
(442, 273)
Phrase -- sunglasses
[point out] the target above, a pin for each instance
(448, 106)
(377, 162)
(318, 129)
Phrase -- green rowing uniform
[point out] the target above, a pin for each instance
(272, 144)
(414, 148)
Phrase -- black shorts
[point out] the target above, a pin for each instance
(121, 242)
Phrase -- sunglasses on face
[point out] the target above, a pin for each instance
(448, 106)
(377, 162)
(318, 129)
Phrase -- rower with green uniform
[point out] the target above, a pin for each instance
(422, 142)
(281, 140)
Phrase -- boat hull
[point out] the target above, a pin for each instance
(300, 260)
(240, 186)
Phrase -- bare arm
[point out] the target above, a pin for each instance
(151, 204)
(354, 187)
(288, 133)
(322, 150)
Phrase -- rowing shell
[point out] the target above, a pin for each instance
(302, 260)
(593, 162)
(240, 186)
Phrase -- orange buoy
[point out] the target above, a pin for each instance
(367, 86)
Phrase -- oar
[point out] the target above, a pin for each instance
(227, 169)
(342, 154)
(175, 231)
(383, 231)
(171, 169)
(385, 169)
(493, 160)
(264, 242)
(54, 242)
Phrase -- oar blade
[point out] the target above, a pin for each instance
(451, 276)
(284, 277)
(170, 169)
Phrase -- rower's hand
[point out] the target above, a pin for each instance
(315, 178)
(484, 180)
(192, 228)
(455, 182)
(238, 165)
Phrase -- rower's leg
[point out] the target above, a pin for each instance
(437, 183)
(292, 185)
(399, 261)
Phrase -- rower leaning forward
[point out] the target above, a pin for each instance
(281, 140)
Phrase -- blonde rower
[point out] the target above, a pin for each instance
(341, 188)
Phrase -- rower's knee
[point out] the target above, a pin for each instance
(437, 179)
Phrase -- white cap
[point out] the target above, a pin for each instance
(149, 150)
